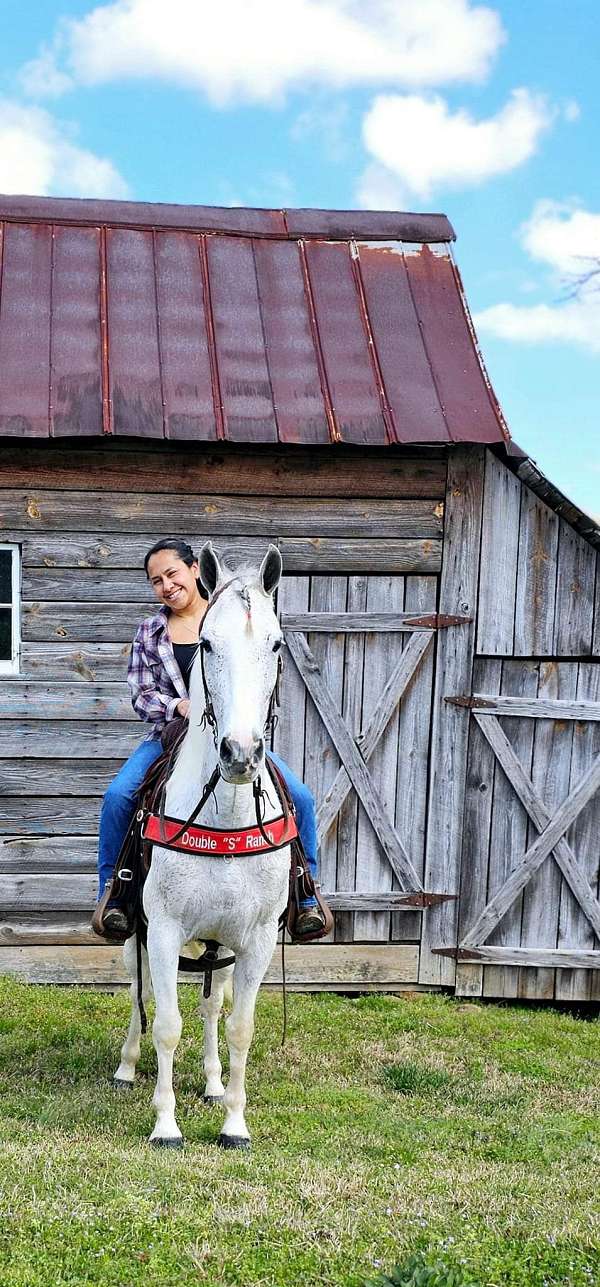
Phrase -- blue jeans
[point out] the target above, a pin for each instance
(120, 801)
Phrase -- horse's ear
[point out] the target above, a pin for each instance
(210, 568)
(270, 570)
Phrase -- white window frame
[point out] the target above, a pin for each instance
(11, 667)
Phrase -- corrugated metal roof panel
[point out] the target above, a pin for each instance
(195, 323)
(76, 348)
(189, 408)
(410, 388)
(25, 331)
(291, 353)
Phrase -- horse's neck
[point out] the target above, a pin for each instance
(229, 805)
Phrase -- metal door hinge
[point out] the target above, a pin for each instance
(470, 703)
(437, 621)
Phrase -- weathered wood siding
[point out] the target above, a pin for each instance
(413, 792)
(66, 721)
(523, 763)
(538, 591)
(539, 601)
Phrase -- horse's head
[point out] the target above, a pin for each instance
(240, 642)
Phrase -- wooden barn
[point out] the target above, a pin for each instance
(313, 378)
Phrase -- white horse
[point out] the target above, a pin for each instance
(191, 898)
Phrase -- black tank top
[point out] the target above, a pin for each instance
(184, 656)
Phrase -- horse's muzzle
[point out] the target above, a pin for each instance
(240, 763)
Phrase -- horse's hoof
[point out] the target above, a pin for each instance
(175, 1142)
(213, 1099)
(233, 1141)
(120, 1083)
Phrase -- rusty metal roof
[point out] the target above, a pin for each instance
(195, 323)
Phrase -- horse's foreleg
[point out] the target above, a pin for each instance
(210, 1009)
(163, 953)
(130, 1050)
(248, 974)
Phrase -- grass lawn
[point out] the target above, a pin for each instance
(465, 1136)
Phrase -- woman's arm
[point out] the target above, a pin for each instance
(147, 700)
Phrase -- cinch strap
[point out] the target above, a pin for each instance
(201, 840)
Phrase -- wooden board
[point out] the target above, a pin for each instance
(499, 559)
(52, 854)
(574, 614)
(321, 758)
(381, 652)
(21, 699)
(125, 586)
(40, 509)
(455, 647)
(479, 795)
(536, 580)
(414, 730)
(56, 777)
(84, 663)
(299, 553)
(100, 739)
(347, 821)
(228, 469)
(49, 815)
(350, 967)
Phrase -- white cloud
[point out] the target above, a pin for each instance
(254, 52)
(563, 236)
(38, 157)
(575, 322)
(566, 240)
(424, 146)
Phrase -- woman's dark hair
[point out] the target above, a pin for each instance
(182, 550)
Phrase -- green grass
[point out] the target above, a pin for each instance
(437, 1144)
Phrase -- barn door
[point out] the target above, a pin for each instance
(355, 724)
(530, 863)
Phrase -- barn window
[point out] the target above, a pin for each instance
(9, 608)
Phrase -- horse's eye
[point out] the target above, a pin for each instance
(205, 645)
(277, 645)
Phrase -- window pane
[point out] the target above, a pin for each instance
(5, 634)
(5, 576)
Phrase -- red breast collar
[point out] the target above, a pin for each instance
(217, 842)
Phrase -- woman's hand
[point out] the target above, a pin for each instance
(183, 707)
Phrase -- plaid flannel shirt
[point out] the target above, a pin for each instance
(153, 675)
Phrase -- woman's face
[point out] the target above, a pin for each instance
(173, 582)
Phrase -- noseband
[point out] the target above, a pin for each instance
(209, 718)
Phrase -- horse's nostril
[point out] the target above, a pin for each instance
(259, 747)
(227, 752)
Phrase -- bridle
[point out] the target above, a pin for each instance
(209, 718)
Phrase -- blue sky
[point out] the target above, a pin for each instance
(487, 112)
